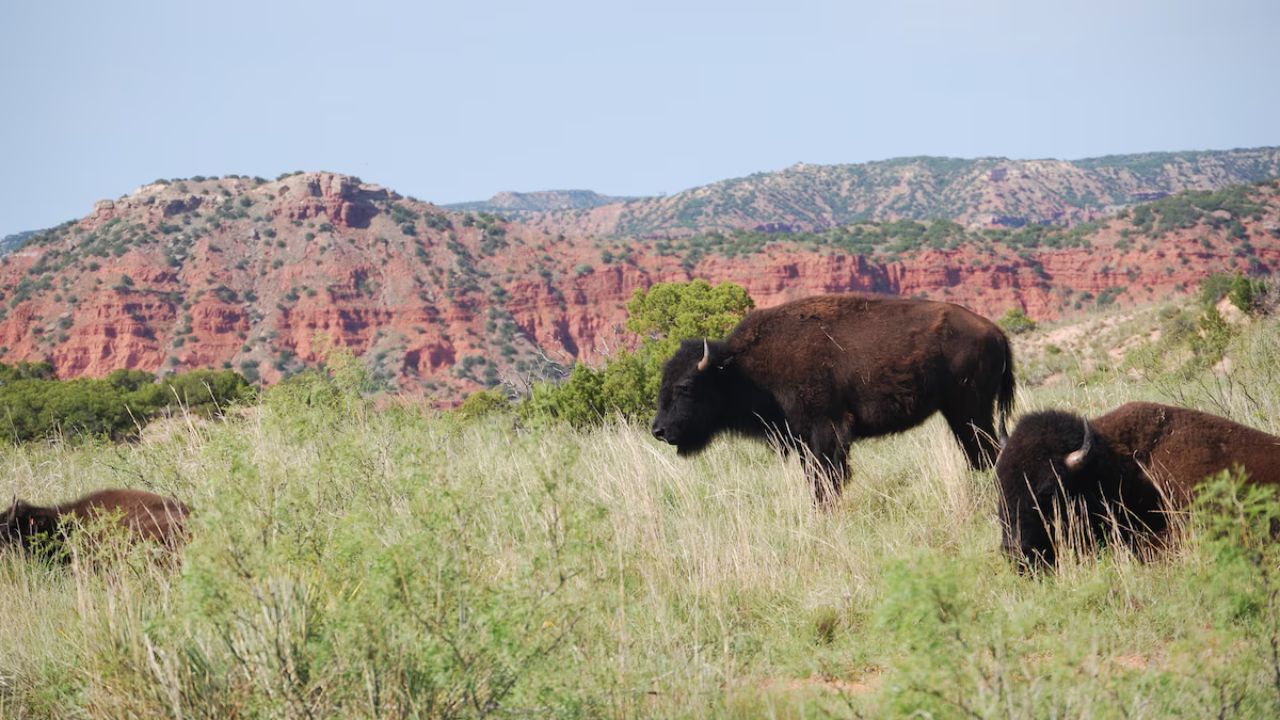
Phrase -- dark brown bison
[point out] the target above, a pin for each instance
(145, 515)
(821, 372)
(1123, 471)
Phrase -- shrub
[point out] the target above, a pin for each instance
(673, 312)
(1109, 295)
(1215, 334)
(666, 314)
(483, 404)
(26, 371)
(129, 380)
(249, 368)
(33, 405)
(1247, 294)
(1015, 321)
(1213, 288)
(577, 400)
(1234, 523)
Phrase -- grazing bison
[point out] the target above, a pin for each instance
(1124, 471)
(823, 371)
(145, 515)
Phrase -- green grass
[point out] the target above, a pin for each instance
(352, 562)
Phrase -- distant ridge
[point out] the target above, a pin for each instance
(9, 243)
(981, 192)
(515, 204)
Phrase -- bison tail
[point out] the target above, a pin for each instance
(1004, 400)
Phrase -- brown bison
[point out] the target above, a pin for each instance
(821, 372)
(145, 515)
(1123, 471)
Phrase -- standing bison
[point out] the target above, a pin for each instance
(1123, 471)
(819, 373)
(144, 515)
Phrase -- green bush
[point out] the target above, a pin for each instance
(1245, 293)
(483, 404)
(130, 380)
(1015, 321)
(1211, 342)
(665, 315)
(1214, 288)
(674, 312)
(34, 405)
(26, 371)
(578, 400)
(1234, 528)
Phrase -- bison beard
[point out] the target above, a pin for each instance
(818, 373)
(1121, 473)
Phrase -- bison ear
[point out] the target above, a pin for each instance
(1077, 459)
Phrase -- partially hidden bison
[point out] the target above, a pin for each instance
(142, 514)
(1122, 472)
(823, 371)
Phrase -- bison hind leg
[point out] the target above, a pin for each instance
(976, 435)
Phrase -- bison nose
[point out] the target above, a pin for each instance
(659, 432)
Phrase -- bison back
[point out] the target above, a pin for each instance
(891, 361)
(1179, 447)
(147, 515)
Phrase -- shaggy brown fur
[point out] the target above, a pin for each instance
(146, 515)
(1145, 460)
(826, 370)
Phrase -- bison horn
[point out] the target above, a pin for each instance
(706, 356)
(1076, 460)
(1002, 433)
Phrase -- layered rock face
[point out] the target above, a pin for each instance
(267, 277)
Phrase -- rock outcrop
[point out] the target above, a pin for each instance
(267, 277)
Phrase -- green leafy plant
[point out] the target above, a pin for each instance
(664, 315)
(1015, 321)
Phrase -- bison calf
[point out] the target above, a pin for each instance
(1122, 471)
(823, 371)
(145, 515)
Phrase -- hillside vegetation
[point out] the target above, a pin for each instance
(264, 277)
(348, 561)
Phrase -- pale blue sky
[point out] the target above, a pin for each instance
(455, 101)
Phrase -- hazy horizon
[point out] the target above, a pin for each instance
(455, 103)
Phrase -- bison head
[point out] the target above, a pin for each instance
(694, 396)
(21, 521)
(1040, 474)
(9, 524)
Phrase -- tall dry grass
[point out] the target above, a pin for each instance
(347, 562)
